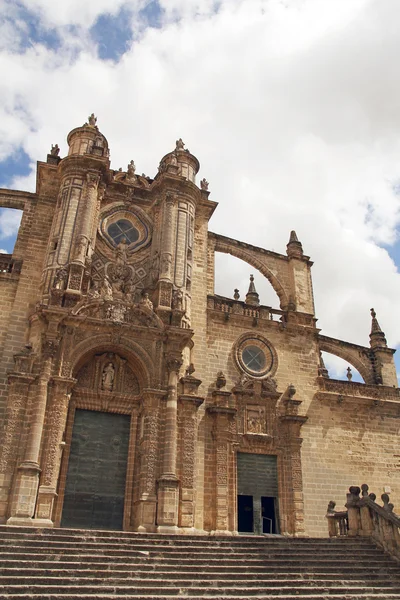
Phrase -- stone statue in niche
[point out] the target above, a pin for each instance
(177, 299)
(80, 249)
(121, 253)
(107, 378)
(130, 174)
(92, 120)
(166, 263)
(106, 291)
(60, 279)
(146, 302)
(94, 291)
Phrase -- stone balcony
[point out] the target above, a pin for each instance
(344, 391)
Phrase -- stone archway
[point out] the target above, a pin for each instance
(96, 482)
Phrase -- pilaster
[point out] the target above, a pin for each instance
(24, 494)
(57, 410)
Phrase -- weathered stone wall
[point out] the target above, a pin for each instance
(344, 443)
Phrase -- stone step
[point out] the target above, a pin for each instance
(210, 542)
(246, 538)
(137, 582)
(172, 554)
(58, 564)
(203, 550)
(322, 596)
(156, 558)
(362, 574)
(389, 566)
(196, 590)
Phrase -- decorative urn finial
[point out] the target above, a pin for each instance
(252, 296)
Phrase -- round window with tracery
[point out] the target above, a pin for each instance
(123, 229)
(255, 356)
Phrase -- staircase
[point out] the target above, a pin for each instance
(65, 564)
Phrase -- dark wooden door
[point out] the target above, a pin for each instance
(95, 487)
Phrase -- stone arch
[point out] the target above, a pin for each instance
(350, 355)
(248, 257)
(137, 357)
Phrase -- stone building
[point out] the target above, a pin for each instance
(132, 397)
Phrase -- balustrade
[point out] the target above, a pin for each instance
(365, 518)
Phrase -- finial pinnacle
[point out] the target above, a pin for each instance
(377, 337)
(294, 249)
(252, 295)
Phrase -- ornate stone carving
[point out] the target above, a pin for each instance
(107, 378)
(255, 419)
(60, 279)
(177, 299)
(146, 302)
(204, 184)
(55, 150)
(130, 175)
(92, 120)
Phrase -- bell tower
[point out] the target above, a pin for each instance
(73, 235)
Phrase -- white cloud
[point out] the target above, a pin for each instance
(291, 107)
(75, 12)
(10, 220)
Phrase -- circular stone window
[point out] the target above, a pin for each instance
(118, 222)
(255, 356)
(123, 229)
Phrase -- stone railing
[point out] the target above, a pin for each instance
(6, 264)
(364, 517)
(338, 525)
(9, 265)
(235, 307)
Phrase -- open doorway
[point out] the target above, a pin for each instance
(257, 499)
(245, 514)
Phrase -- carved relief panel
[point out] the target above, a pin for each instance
(108, 372)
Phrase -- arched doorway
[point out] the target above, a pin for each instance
(96, 480)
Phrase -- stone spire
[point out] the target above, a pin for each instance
(376, 337)
(252, 297)
(322, 370)
(294, 249)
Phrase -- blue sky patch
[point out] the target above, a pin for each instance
(17, 164)
(32, 32)
(113, 34)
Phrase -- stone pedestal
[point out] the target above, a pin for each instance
(167, 511)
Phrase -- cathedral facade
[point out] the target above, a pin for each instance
(133, 397)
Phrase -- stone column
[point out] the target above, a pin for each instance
(293, 476)
(167, 511)
(24, 495)
(144, 513)
(52, 450)
(82, 237)
(353, 511)
(19, 384)
(167, 240)
(165, 281)
(188, 452)
(223, 416)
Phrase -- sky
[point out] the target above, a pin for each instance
(291, 106)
